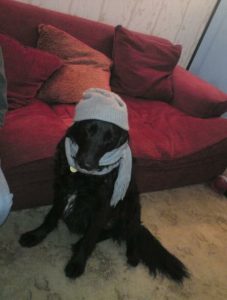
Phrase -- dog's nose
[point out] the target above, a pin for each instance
(86, 162)
(87, 165)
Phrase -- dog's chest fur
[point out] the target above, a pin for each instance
(85, 196)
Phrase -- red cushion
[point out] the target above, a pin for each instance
(143, 65)
(197, 97)
(26, 69)
(31, 133)
(161, 132)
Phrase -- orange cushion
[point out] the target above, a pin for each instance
(84, 67)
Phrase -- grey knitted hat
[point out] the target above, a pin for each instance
(102, 105)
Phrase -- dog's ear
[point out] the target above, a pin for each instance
(123, 137)
(71, 132)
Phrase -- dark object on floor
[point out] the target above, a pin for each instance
(100, 200)
(219, 185)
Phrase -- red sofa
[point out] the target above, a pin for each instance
(176, 142)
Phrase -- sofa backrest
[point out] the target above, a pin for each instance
(20, 21)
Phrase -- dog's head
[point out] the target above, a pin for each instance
(101, 125)
(95, 138)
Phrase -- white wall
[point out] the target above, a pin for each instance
(210, 62)
(181, 21)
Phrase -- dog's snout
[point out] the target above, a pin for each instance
(87, 165)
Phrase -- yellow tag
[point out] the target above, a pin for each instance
(72, 169)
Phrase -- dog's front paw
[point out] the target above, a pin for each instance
(133, 261)
(132, 255)
(30, 239)
(74, 269)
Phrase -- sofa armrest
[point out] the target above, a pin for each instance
(197, 97)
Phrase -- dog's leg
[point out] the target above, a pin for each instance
(34, 237)
(105, 235)
(84, 247)
(61, 182)
(132, 254)
(142, 245)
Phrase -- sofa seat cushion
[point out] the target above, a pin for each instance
(168, 145)
(27, 146)
(30, 134)
(162, 132)
(65, 112)
(172, 149)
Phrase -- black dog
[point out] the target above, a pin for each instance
(83, 202)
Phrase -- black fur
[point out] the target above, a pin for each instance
(91, 215)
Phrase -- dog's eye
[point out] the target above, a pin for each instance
(92, 129)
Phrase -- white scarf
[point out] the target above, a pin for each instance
(120, 157)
